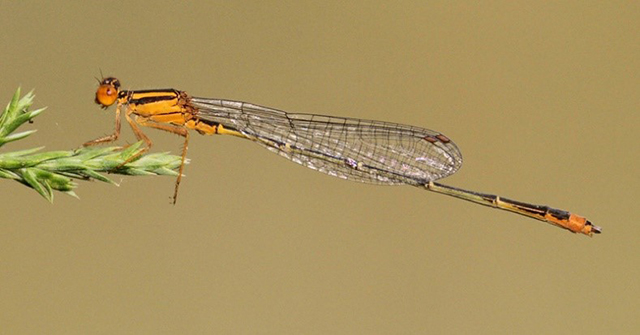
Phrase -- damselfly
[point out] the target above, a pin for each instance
(362, 150)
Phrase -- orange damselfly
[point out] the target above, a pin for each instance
(362, 150)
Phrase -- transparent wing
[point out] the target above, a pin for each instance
(354, 149)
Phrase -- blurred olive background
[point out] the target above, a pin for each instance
(542, 99)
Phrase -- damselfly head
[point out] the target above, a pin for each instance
(107, 92)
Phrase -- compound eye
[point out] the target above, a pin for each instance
(107, 93)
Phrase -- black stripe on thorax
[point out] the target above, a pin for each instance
(157, 90)
(160, 95)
